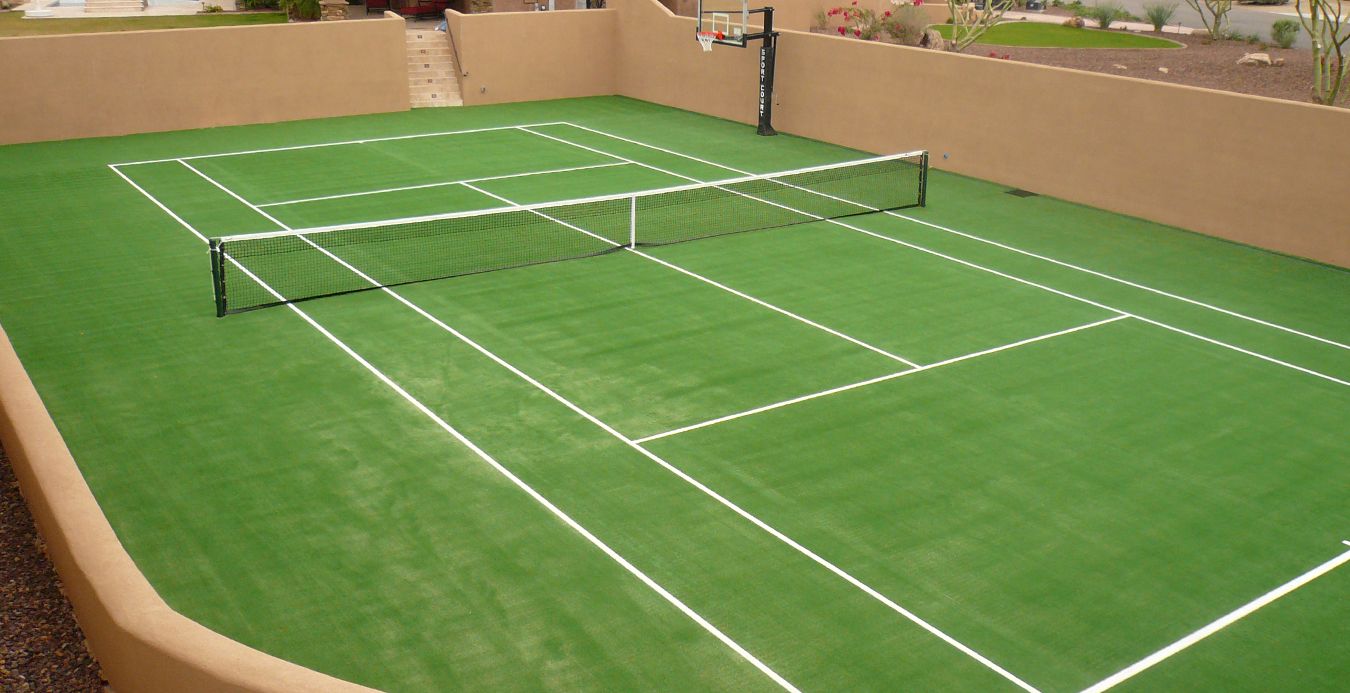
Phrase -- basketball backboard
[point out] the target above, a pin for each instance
(727, 20)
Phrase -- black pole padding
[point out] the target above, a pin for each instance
(768, 51)
(217, 278)
(923, 180)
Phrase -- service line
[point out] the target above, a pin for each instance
(443, 184)
(872, 381)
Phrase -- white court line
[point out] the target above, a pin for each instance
(719, 285)
(483, 455)
(872, 381)
(328, 144)
(231, 193)
(1218, 625)
(1136, 285)
(442, 184)
(938, 227)
(766, 527)
(647, 453)
(960, 261)
(572, 202)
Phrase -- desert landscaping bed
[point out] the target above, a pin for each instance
(41, 646)
(1200, 64)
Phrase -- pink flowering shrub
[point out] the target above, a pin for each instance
(905, 24)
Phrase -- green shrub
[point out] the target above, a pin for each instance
(822, 20)
(1160, 13)
(1284, 32)
(212, 9)
(300, 10)
(1105, 13)
(258, 4)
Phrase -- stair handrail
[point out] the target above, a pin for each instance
(454, 50)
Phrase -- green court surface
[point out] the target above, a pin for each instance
(988, 443)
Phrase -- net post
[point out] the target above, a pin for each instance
(923, 180)
(632, 222)
(218, 277)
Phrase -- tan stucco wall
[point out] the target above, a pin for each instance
(140, 643)
(528, 56)
(1260, 171)
(1174, 154)
(89, 85)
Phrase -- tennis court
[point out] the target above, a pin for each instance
(716, 427)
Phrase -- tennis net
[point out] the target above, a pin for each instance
(266, 269)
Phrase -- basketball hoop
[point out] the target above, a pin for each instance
(705, 39)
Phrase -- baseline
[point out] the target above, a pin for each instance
(1004, 246)
(967, 263)
(872, 381)
(538, 497)
(1219, 624)
(327, 144)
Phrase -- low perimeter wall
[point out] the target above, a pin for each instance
(91, 85)
(530, 56)
(1260, 171)
(140, 643)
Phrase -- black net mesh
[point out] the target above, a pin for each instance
(270, 269)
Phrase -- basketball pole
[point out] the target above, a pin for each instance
(768, 52)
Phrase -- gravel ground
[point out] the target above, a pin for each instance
(41, 646)
(1212, 65)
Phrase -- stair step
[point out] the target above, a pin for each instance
(432, 76)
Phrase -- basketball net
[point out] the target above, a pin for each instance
(705, 39)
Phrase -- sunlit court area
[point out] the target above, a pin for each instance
(666, 347)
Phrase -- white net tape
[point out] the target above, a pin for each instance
(705, 39)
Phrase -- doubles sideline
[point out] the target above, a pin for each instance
(480, 453)
(906, 613)
(951, 258)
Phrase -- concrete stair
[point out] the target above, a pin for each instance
(432, 78)
(114, 6)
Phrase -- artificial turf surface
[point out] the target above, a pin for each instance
(1064, 507)
(1040, 35)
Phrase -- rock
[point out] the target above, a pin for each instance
(1075, 22)
(1255, 59)
(932, 39)
(1164, 70)
(1118, 66)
